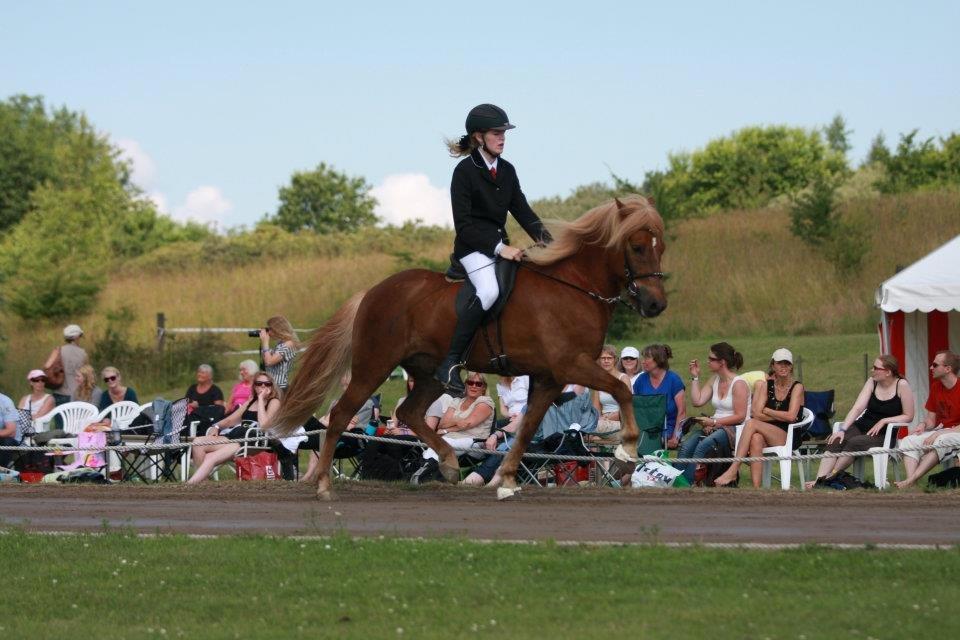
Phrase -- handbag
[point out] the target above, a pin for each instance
(260, 466)
(54, 373)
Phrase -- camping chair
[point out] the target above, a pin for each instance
(650, 415)
(821, 403)
(794, 429)
(149, 462)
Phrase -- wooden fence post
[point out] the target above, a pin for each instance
(161, 331)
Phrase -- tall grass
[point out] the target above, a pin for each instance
(733, 275)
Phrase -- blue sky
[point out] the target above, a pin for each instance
(218, 103)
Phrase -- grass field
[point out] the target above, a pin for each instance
(122, 586)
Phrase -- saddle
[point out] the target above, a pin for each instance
(506, 271)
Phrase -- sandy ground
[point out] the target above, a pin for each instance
(570, 514)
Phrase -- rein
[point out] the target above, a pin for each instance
(632, 289)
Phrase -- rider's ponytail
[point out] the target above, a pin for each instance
(463, 146)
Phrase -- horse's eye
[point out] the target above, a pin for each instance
(638, 248)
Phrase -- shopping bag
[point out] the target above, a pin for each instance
(653, 473)
(261, 466)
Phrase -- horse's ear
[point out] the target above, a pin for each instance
(621, 208)
(651, 201)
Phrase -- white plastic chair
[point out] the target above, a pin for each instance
(75, 416)
(121, 414)
(786, 466)
(881, 461)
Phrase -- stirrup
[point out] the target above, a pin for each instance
(453, 374)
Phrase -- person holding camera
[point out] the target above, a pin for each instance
(278, 360)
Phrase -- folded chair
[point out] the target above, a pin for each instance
(149, 462)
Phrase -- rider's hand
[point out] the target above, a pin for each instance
(511, 253)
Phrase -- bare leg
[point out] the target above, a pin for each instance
(757, 443)
(772, 436)
(214, 458)
(313, 467)
(543, 391)
(927, 462)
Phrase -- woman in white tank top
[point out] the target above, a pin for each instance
(608, 426)
(730, 395)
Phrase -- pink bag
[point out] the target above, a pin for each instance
(92, 459)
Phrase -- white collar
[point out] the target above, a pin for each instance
(490, 165)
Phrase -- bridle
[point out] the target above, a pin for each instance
(633, 291)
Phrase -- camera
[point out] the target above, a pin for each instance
(254, 333)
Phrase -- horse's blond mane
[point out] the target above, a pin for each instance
(605, 225)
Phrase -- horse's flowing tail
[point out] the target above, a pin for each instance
(327, 357)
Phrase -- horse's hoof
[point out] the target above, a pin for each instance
(504, 493)
(450, 474)
(326, 496)
(621, 454)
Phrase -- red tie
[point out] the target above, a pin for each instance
(493, 172)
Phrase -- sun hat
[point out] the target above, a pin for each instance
(36, 373)
(72, 331)
(782, 354)
(629, 352)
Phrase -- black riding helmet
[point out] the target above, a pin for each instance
(486, 117)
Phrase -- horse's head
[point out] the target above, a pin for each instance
(643, 248)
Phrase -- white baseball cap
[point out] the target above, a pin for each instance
(782, 354)
(629, 352)
(72, 331)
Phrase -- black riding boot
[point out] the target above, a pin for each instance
(467, 325)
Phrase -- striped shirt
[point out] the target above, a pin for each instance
(280, 372)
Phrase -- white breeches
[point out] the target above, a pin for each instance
(480, 270)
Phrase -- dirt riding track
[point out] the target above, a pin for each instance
(708, 515)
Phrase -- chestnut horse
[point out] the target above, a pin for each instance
(553, 330)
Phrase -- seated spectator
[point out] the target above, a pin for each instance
(941, 421)
(512, 394)
(730, 396)
(465, 421)
(630, 363)
(215, 448)
(86, 389)
(657, 379)
(38, 402)
(608, 427)
(312, 443)
(436, 410)
(116, 391)
(204, 399)
(775, 406)
(243, 389)
(884, 399)
(10, 433)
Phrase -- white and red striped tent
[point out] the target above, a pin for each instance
(921, 315)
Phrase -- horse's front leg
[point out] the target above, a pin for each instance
(588, 373)
(542, 392)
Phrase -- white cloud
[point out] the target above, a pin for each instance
(204, 204)
(143, 168)
(407, 196)
(160, 201)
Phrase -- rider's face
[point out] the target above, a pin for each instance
(493, 141)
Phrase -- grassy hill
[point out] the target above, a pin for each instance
(734, 275)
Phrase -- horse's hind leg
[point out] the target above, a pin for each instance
(543, 391)
(362, 385)
(425, 390)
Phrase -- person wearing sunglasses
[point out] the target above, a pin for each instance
(466, 421)
(38, 402)
(215, 448)
(730, 396)
(116, 390)
(629, 364)
(941, 420)
(884, 399)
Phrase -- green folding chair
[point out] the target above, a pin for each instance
(650, 412)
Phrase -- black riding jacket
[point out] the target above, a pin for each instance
(480, 206)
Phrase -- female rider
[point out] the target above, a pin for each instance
(483, 189)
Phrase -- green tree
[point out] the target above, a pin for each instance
(837, 135)
(878, 152)
(325, 200)
(915, 164)
(744, 170)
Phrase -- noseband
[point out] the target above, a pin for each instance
(633, 291)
